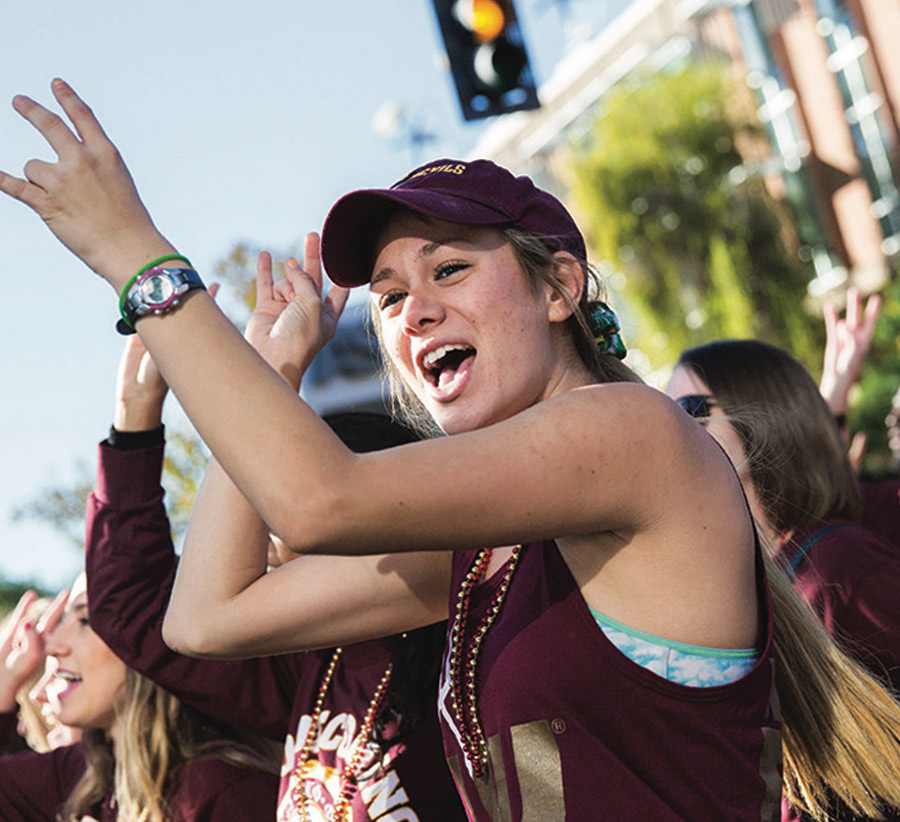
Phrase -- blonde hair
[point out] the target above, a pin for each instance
(841, 727)
(156, 733)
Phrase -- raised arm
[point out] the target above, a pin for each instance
(310, 489)
(847, 343)
(221, 603)
(130, 563)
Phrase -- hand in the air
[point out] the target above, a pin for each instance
(292, 321)
(87, 197)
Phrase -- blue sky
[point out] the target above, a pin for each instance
(240, 121)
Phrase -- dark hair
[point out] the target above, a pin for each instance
(797, 459)
(415, 655)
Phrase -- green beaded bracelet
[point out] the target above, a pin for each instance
(146, 268)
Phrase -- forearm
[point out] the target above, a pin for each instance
(224, 552)
(835, 390)
(274, 447)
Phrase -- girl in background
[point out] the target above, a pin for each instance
(766, 411)
(143, 757)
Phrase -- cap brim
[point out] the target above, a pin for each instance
(355, 221)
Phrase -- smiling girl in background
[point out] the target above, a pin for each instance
(143, 757)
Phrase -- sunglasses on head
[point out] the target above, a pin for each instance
(697, 405)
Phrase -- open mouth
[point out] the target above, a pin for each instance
(65, 681)
(442, 365)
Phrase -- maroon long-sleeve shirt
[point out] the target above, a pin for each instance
(130, 570)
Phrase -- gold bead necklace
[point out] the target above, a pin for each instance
(464, 660)
(349, 775)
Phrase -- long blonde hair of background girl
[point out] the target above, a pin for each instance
(840, 726)
(155, 734)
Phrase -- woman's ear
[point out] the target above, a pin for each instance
(570, 276)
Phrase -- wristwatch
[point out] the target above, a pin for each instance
(155, 292)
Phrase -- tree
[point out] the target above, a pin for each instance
(697, 245)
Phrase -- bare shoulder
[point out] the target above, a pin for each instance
(638, 426)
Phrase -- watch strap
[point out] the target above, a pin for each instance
(134, 305)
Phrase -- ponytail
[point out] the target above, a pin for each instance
(841, 727)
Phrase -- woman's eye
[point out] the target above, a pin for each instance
(84, 621)
(389, 299)
(447, 269)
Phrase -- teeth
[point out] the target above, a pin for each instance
(432, 357)
(68, 677)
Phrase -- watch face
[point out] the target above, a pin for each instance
(157, 290)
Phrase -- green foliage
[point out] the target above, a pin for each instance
(705, 250)
(60, 507)
(11, 593)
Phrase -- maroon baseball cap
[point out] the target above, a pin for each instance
(477, 192)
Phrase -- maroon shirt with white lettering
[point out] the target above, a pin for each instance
(130, 569)
(577, 731)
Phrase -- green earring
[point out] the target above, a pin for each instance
(605, 328)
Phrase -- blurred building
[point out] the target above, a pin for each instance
(826, 78)
(346, 375)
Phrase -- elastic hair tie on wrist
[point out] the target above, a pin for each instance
(146, 268)
(605, 327)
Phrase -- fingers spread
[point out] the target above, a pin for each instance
(86, 124)
(50, 125)
(33, 196)
(337, 299)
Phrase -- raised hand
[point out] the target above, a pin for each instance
(847, 343)
(140, 389)
(22, 651)
(292, 321)
(87, 198)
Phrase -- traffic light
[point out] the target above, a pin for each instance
(487, 56)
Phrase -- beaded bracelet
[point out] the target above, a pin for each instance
(146, 268)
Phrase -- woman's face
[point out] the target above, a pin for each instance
(694, 395)
(90, 677)
(460, 322)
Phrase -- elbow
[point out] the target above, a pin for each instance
(189, 637)
(316, 527)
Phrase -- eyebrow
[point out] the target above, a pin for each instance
(425, 251)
